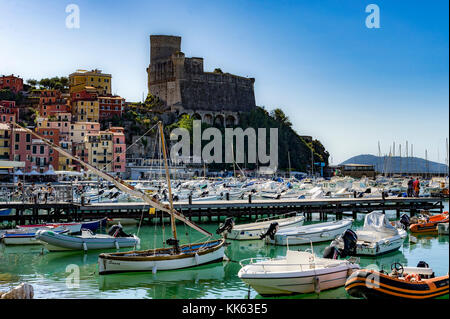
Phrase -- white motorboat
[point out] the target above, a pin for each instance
(377, 237)
(116, 238)
(297, 272)
(27, 236)
(311, 233)
(253, 231)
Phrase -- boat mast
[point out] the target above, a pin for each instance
(121, 185)
(289, 160)
(172, 219)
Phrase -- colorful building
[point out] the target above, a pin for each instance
(110, 106)
(53, 135)
(86, 110)
(14, 83)
(9, 112)
(20, 150)
(105, 150)
(81, 79)
(5, 141)
(51, 103)
(119, 149)
(79, 130)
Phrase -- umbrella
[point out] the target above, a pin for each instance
(50, 171)
(18, 172)
(33, 173)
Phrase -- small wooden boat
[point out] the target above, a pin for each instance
(311, 233)
(154, 260)
(428, 223)
(297, 272)
(403, 283)
(253, 231)
(86, 241)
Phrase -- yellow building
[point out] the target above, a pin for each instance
(5, 136)
(65, 163)
(99, 149)
(95, 78)
(86, 110)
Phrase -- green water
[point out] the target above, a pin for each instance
(47, 271)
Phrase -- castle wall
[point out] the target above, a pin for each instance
(183, 85)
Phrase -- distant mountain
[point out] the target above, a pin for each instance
(396, 164)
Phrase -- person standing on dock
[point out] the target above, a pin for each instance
(410, 187)
(416, 185)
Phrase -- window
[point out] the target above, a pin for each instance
(42, 149)
(34, 149)
(17, 138)
(28, 147)
(16, 147)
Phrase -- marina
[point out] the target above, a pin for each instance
(47, 272)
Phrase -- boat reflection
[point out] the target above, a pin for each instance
(199, 281)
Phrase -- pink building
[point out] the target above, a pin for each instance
(119, 149)
(9, 112)
(21, 147)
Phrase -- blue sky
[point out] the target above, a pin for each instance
(337, 80)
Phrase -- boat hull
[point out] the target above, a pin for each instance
(371, 284)
(379, 248)
(59, 242)
(132, 262)
(254, 232)
(304, 237)
(295, 283)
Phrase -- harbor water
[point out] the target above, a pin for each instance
(74, 274)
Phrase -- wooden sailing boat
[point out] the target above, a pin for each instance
(177, 257)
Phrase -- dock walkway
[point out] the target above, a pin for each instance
(199, 210)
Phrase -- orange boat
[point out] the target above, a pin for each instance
(407, 283)
(428, 223)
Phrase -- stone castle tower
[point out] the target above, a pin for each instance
(184, 87)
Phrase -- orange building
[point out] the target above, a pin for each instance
(14, 83)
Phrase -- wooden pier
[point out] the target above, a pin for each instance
(215, 210)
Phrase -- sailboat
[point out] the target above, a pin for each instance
(176, 257)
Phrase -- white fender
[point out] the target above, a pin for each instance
(117, 244)
(85, 246)
(196, 257)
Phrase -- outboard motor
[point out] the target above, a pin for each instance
(227, 226)
(101, 191)
(331, 252)
(423, 264)
(117, 231)
(271, 231)
(405, 221)
(350, 239)
(115, 195)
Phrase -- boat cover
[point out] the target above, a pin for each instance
(378, 222)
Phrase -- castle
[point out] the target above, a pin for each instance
(185, 88)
